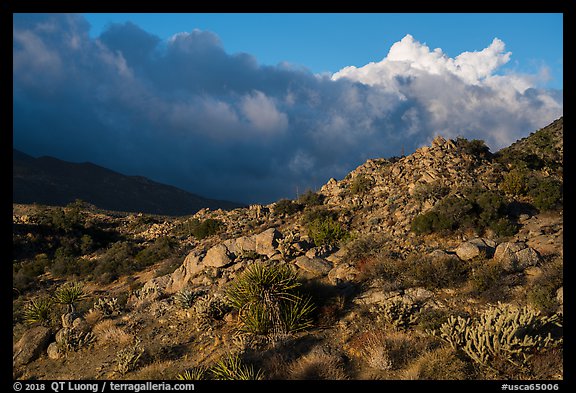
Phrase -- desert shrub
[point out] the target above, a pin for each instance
(38, 310)
(439, 364)
(324, 228)
(268, 300)
(503, 334)
(383, 350)
(286, 207)
(161, 248)
(546, 194)
(515, 182)
(203, 229)
(232, 368)
(311, 198)
(208, 309)
(429, 191)
(486, 279)
(185, 298)
(474, 147)
(430, 319)
(542, 292)
(360, 184)
(472, 208)
(433, 273)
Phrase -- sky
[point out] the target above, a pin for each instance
(257, 107)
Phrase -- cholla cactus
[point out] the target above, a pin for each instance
(69, 339)
(107, 306)
(503, 331)
(128, 358)
(399, 314)
(209, 308)
(286, 244)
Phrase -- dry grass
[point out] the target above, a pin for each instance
(107, 332)
(317, 366)
(439, 364)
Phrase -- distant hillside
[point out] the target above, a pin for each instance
(50, 181)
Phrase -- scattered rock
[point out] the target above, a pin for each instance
(31, 345)
(516, 256)
(267, 241)
(473, 248)
(218, 256)
(53, 351)
(316, 266)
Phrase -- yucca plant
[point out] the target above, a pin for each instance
(69, 294)
(38, 310)
(193, 374)
(185, 298)
(268, 302)
(231, 368)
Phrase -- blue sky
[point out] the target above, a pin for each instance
(327, 42)
(252, 107)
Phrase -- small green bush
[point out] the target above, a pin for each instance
(311, 198)
(360, 184)
(546, 194)
(323, 227)
(286, 207)
(515, 182)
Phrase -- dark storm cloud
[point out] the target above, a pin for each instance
(187, 113)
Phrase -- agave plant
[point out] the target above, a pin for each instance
(38, 310)
(193, 374)
(231, 368)
(268, 302)
(69, 294)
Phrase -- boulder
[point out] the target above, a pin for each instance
(218, 256)
(473, 248)
(31, 345)
(316, 266)
(245, 244)
(189, 269)
(267, 241)
(516, 256)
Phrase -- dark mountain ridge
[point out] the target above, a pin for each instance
(51, 181)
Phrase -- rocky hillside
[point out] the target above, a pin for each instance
(50, 181)
(389, 273)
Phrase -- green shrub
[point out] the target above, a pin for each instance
(360, 184)
(515, 182)
(542, 292)
(486, 279)
(433, 273)
(323, 227)
(429, 191)
(286, 207)
(546, 194)
(475, 147)
(268, 301)
(311, 198)
(472, 208)
(208, 227)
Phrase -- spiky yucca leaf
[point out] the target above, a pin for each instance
(38, 310)
(231, 368)
(69, 293)
(193, 374)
